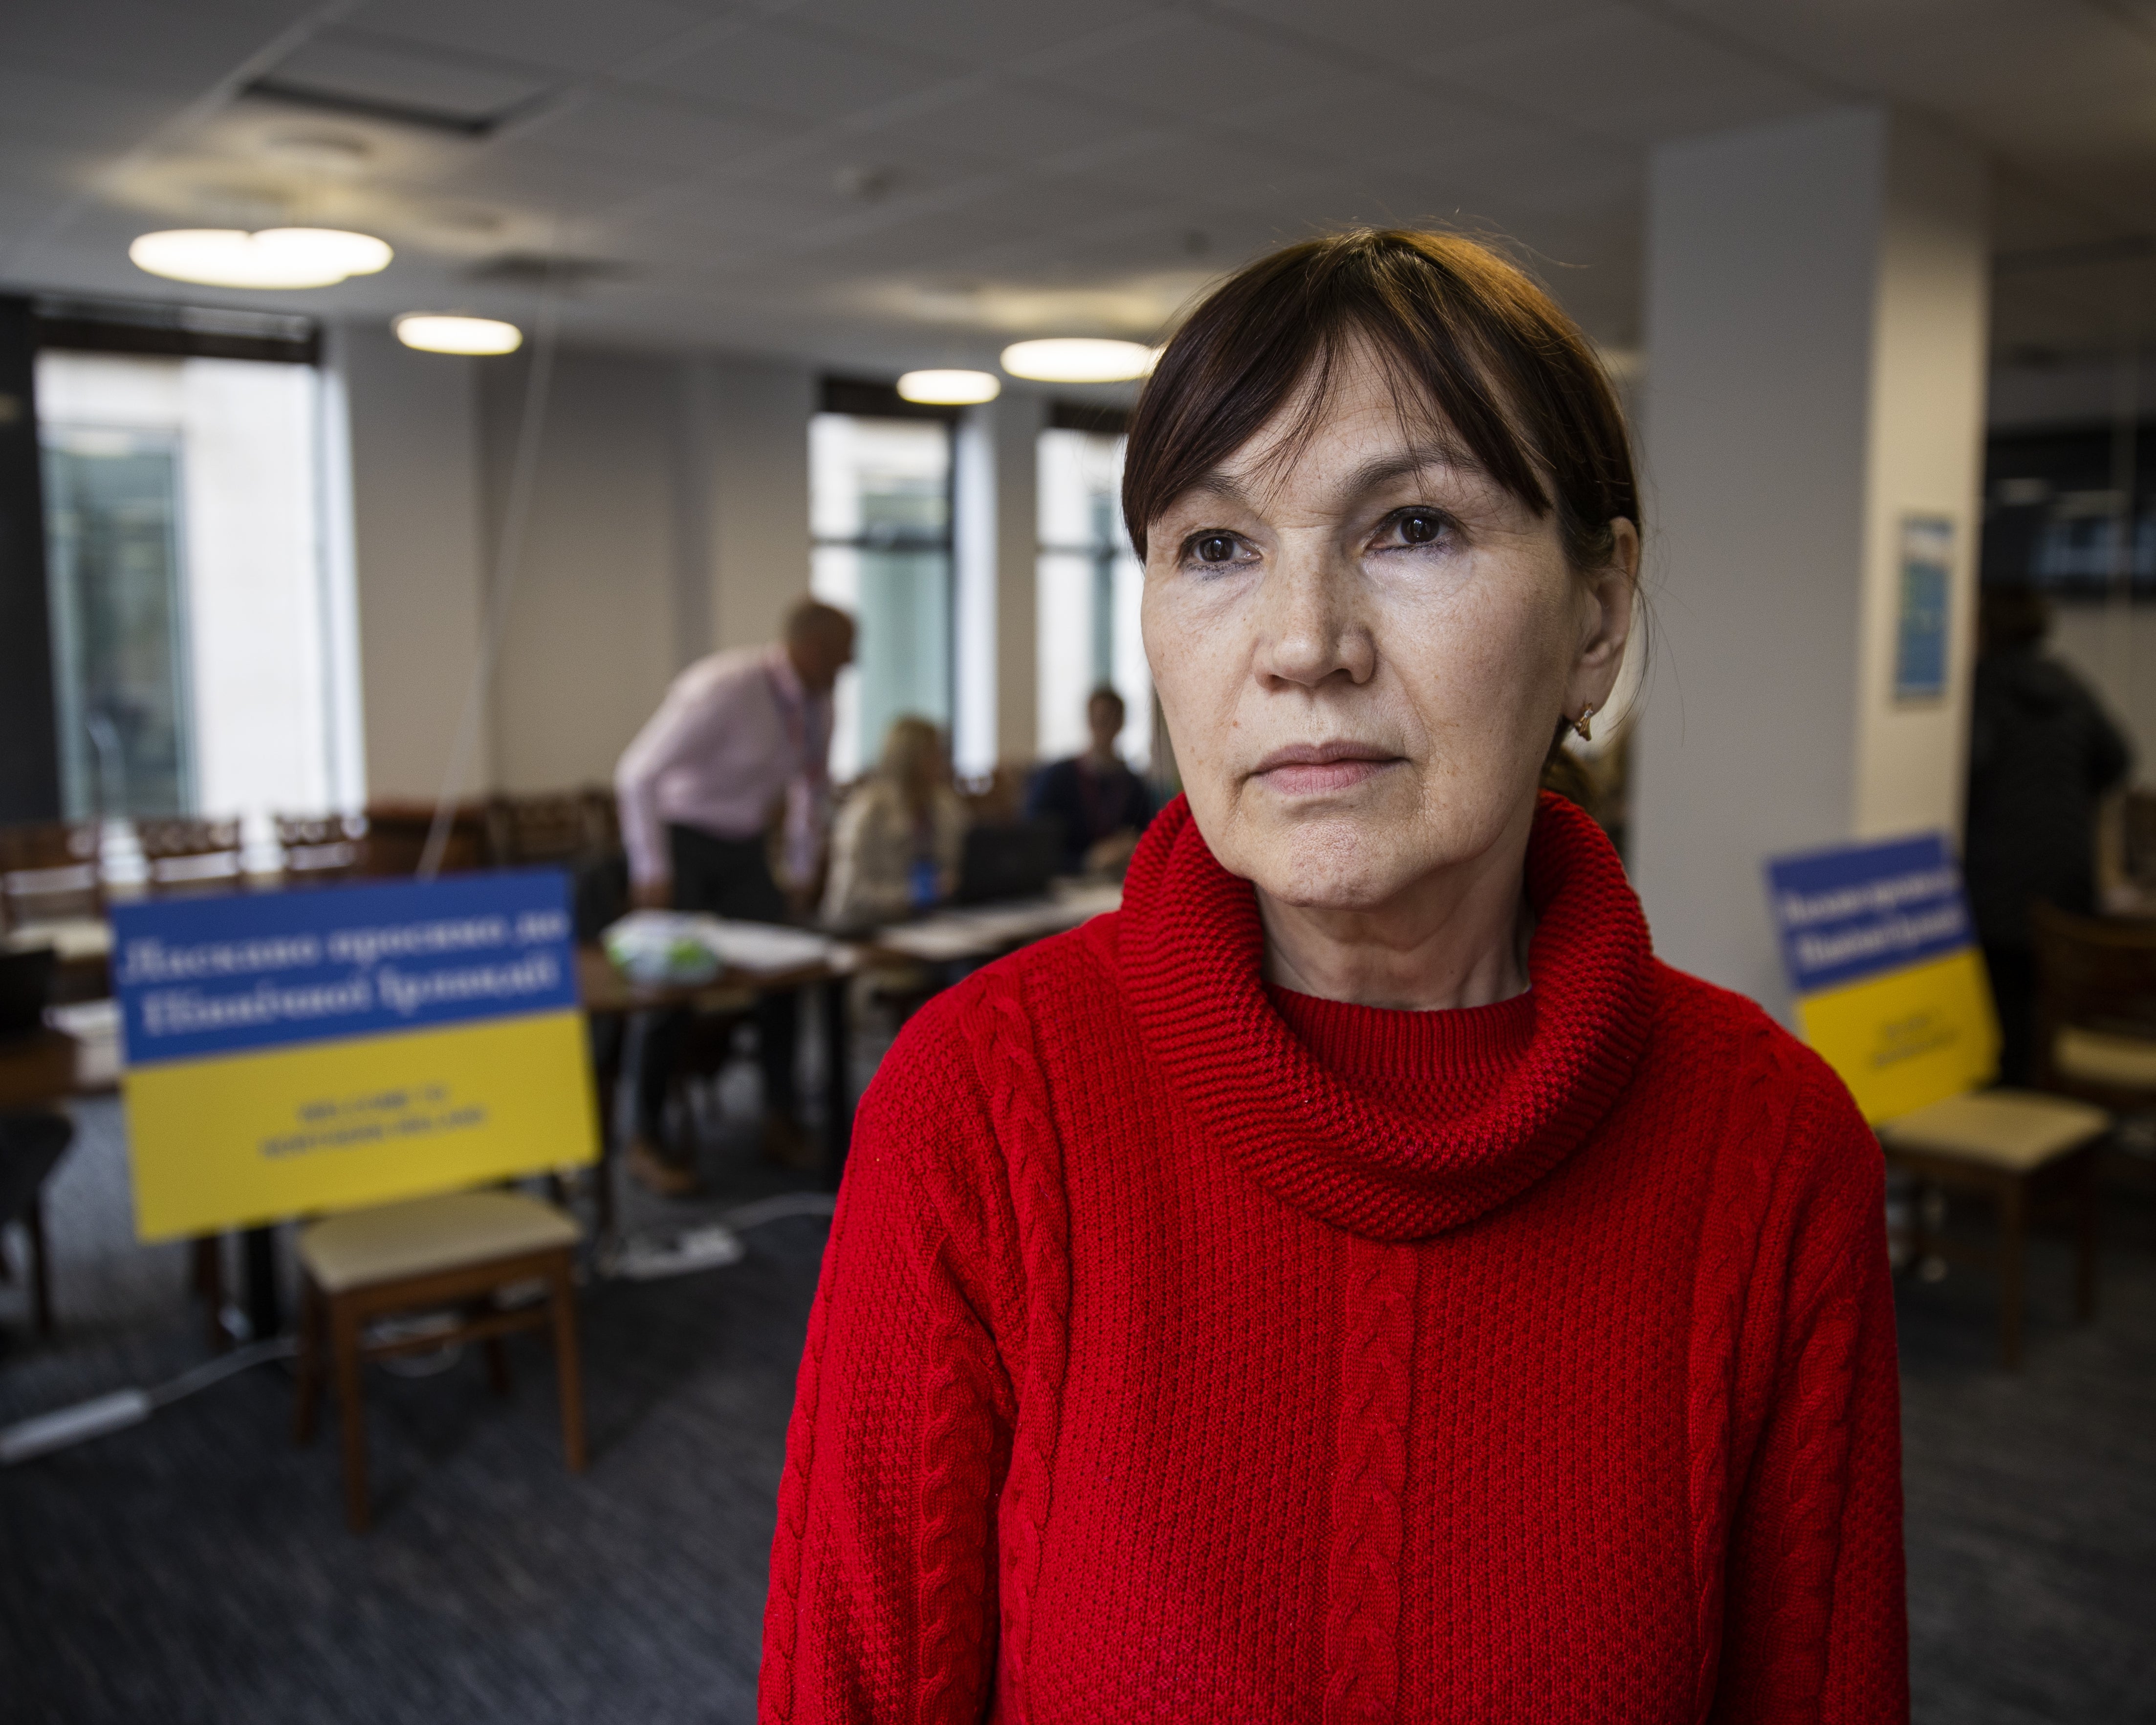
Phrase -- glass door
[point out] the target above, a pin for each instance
(112, 514)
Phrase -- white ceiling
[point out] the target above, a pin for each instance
(875, 183)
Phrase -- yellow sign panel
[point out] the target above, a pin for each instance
(251, 1137)
(1909, 1038)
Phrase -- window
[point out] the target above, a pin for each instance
(1090, 588)
(879, 507)
(194, 631)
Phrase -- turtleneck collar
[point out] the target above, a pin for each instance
(1505, 1092)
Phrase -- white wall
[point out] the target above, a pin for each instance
(416, 550)
(758, 437)
(1925, 457)
(670, 517)
(589, 635)
(1798, 399)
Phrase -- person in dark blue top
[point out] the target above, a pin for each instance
(1101, 805)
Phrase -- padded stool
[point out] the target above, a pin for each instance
(2009, 1145)
(461, 1250)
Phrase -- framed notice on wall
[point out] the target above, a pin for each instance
(1920, 635)
(290, 1052)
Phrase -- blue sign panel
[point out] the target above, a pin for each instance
(217, 976)
(1853, 912)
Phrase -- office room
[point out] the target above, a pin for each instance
(1215, 860)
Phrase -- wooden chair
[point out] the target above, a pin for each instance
(51, 876)
(558, 829)
(52, 894)
(2016, 1148)
(320, 849)
(183, 854)
(460, 1251)
(2095, 1007)
(604, 812)
(397, 837)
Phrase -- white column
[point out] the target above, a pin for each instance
(1816, 318)
(973, 612)
(1020, 419)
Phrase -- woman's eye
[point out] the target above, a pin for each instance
(1213, 548)
(1420, 527)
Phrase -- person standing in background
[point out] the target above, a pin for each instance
(1101, 805)
(896, 846)
(738, 735)
(2042, 753)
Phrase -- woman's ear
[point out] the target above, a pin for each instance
(1606, 618)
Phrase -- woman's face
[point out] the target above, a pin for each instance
(1362, 653)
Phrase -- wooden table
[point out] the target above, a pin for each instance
(606, 993)
(973, 933)
(38, 1072)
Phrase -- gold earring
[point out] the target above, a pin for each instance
(1580, 724)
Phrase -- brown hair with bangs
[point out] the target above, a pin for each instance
(1453, 323)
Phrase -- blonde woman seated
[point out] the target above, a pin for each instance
(894, 852)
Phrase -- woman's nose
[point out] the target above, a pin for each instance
(1309, 625)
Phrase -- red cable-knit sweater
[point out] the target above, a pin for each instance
(1187, 1350)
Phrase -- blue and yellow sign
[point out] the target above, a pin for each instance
(1891, 988)
(294, 1051)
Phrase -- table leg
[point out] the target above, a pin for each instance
(606, 1071)
(265, 1314)
(837, 1084)
(2013, 1243)
(2084, 1179)
(41, 1268)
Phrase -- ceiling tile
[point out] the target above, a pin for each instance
(1394, 31)
(89, 113)
(1348, 121)
(565, 35)
(1212, 168)
(1009, 121)
(815, 75)
(409, 78)
(1632, 76)
(974, 31)
(1191, 68)
(662, 131)
(544, 179)
(145, 45)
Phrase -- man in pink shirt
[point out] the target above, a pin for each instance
(738, 735)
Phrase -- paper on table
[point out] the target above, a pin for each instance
(677, 947)
(762, 945)
(974, 933)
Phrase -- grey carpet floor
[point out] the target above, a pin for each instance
(196, 1570)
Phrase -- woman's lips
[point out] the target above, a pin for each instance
(1313, 769)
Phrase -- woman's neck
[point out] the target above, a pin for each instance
(1458, 937)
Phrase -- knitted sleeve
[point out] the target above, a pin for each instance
(883, 1588)
(1815, 1625)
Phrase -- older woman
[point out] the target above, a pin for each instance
(1355, 1281)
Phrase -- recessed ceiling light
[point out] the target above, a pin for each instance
(950, 389)
(1078, 359)
(275, 257)
(445, 332)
